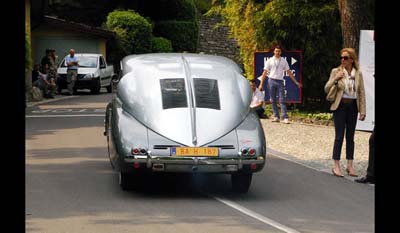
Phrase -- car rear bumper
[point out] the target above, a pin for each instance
(191, 164)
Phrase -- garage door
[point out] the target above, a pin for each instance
(62, 46)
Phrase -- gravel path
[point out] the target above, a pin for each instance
(312, 145)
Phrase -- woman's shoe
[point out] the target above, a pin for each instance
(335, 174)
(351, 174)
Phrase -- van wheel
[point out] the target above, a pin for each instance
(241, 181)
(110, 88)
(74, 90)
(96, 88)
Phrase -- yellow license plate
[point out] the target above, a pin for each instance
(194, 151)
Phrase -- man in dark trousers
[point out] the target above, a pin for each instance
(370, 177)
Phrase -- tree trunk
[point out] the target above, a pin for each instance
(354, 17)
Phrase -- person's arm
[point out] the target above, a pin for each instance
(259, 104)
(293, 78)
(361, 96)
(262, 79)
(259, 99)
(43, 77)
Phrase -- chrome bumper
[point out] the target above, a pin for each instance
(195, 164)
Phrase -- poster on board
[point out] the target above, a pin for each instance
(294, 59)
(367, 67)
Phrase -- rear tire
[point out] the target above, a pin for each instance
(125, 180)
(241, 181)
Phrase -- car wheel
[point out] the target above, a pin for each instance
(125, 181)
(241, 181)
(74, 90)
(96, 88)
(110, 88)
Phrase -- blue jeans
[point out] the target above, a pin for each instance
(277, 92)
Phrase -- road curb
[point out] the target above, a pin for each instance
(31, 104)
(314, 166)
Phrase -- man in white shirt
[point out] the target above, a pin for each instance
(257, 100)
(72, 64)
(275, 69)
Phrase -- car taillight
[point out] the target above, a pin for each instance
(139, 151)
(252, 152)
(248, 151)
(135, 151)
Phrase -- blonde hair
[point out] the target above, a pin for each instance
(353, 56)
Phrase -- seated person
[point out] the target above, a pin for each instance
(257, 101)
(48, 87)
(35, 73)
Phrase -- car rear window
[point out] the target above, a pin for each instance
(173, 93)
(206, 92)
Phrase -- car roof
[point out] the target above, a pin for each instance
(141, 92)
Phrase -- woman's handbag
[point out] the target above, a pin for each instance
(331, 96)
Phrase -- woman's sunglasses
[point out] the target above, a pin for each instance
(345, 58)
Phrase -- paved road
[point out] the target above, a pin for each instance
(70, 187)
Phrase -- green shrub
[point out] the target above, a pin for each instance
(161, 10)
(161, 45)
(202, 5)
(182, 34)
(133, 31)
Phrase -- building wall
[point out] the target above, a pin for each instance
(62, 41)
(215, 39)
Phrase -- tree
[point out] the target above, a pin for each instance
(133, 31)
(355, 15)
(310, 26)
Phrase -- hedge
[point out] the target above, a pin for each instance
(182, 34)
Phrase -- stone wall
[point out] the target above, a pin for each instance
(215, 39)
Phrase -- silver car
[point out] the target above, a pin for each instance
(183, 113)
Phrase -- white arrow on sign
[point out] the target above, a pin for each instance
(293, 60)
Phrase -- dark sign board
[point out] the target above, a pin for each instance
(294, 59)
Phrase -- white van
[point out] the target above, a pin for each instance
(93, 73)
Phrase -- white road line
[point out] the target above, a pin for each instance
(80, 115)
(294, 161)
(255, 215)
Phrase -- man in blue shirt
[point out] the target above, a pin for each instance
(72, 64)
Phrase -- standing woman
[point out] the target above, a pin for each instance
(349, 101)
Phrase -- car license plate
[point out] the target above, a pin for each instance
(194, 151)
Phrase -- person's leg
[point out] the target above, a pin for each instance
(371, 157)
(273, 89)
(282, 99)
(351, 121)
(339, 122)
(74, 78)
(69, 81)
(42, 86)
